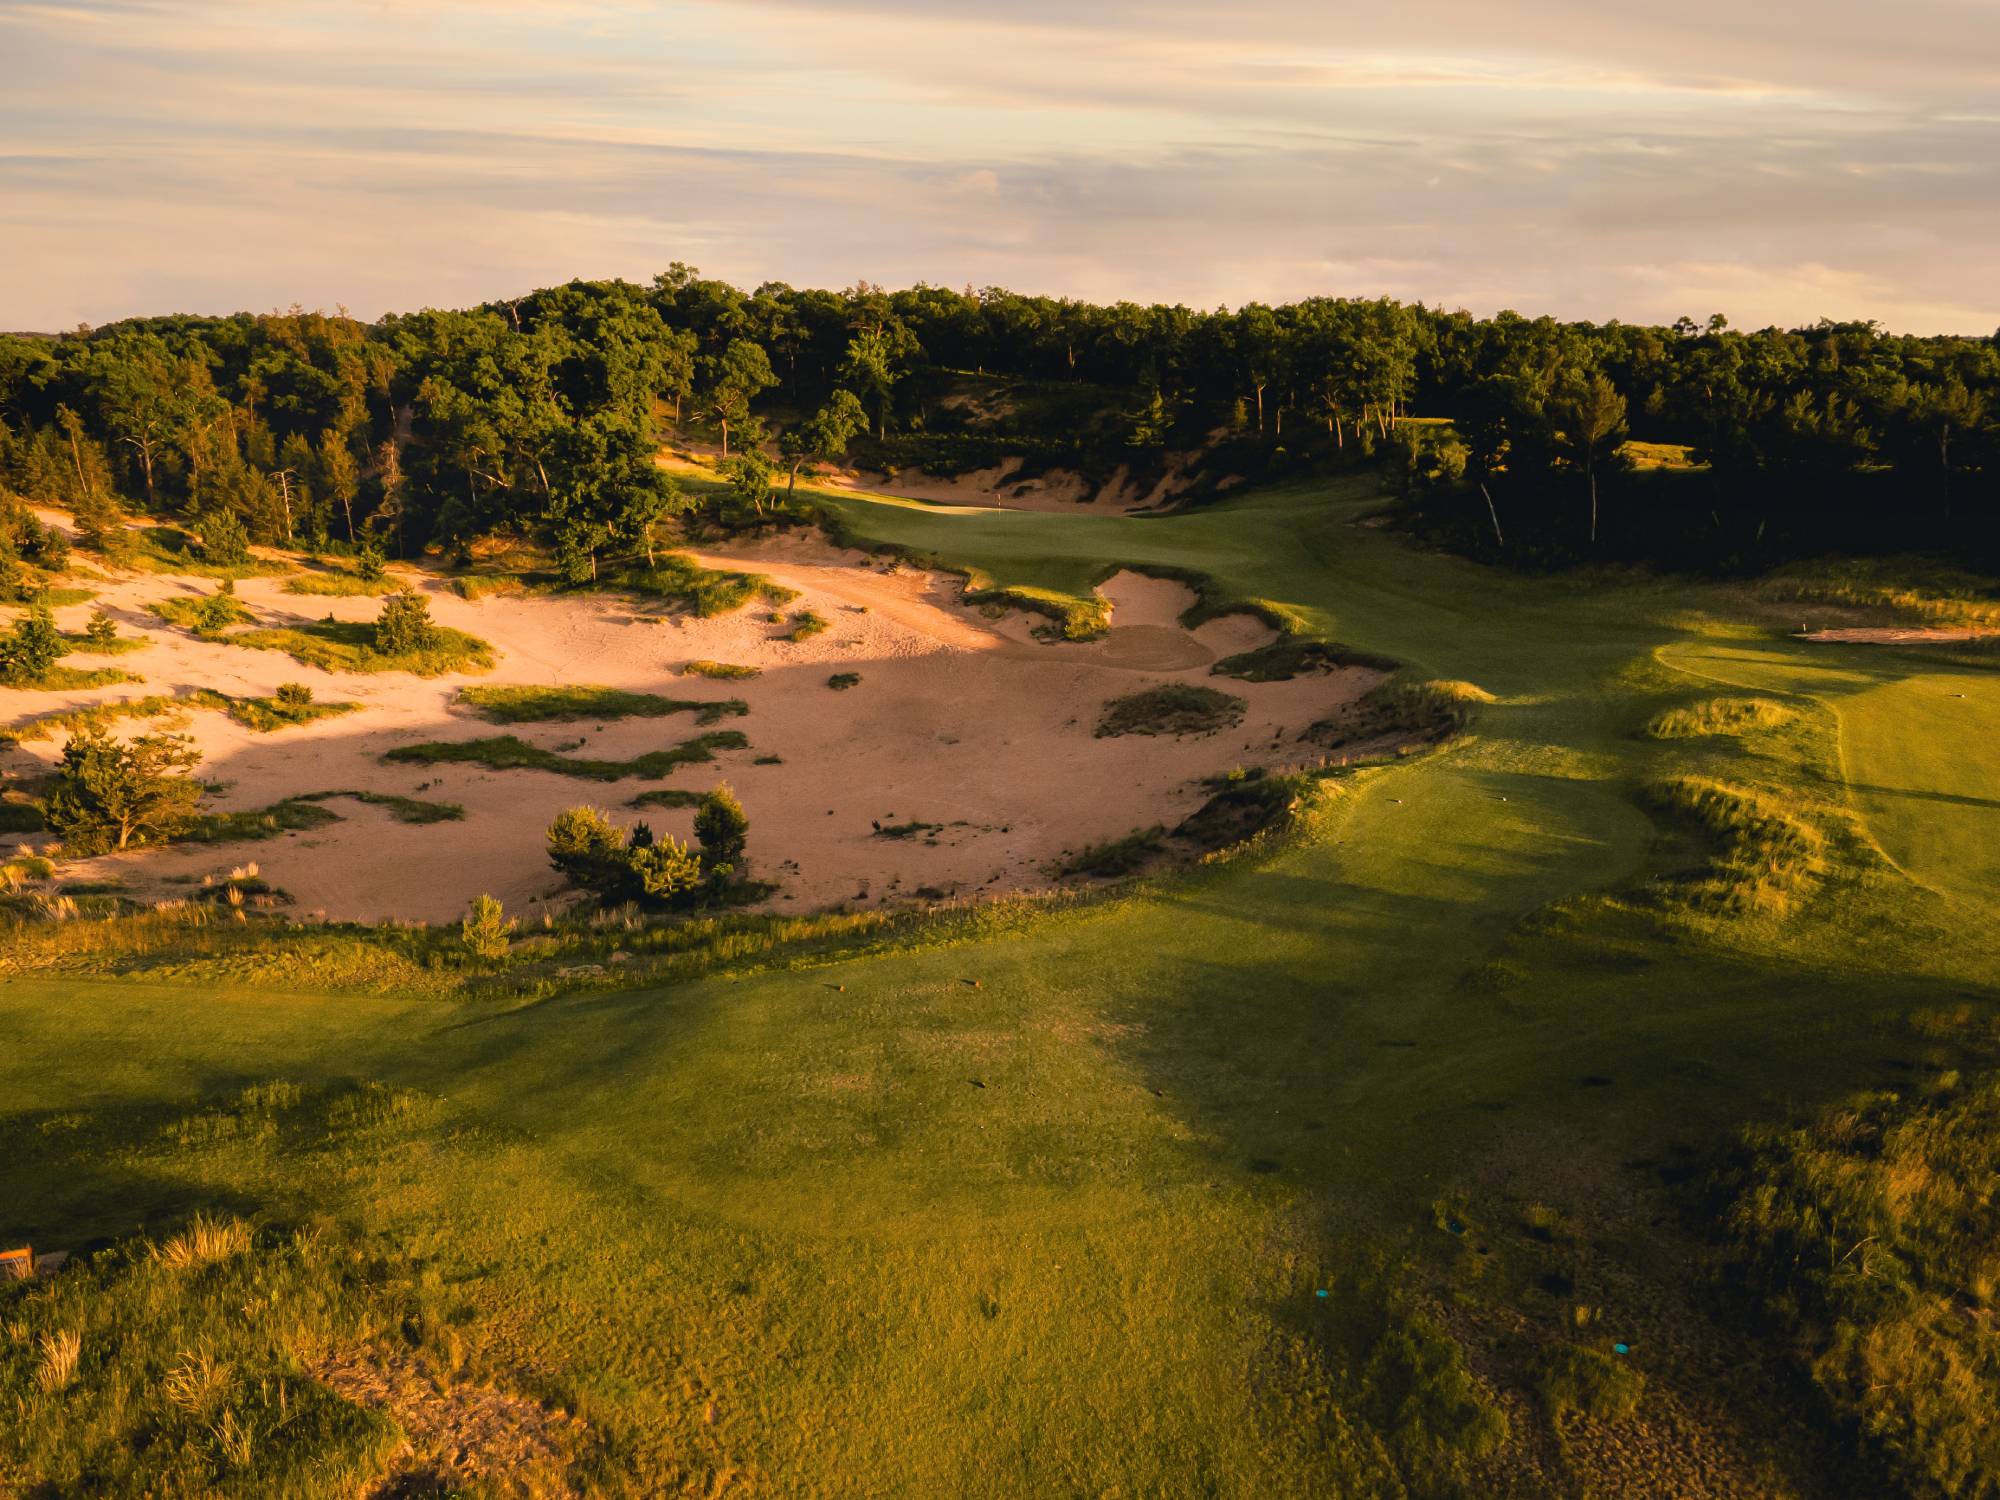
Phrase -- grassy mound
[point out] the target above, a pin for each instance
(1116, 857)
(1292, 657)
(1401, 711)
(261, 714)
(1765, 856)
(293, 815)
(805, 625)
(505, 752)
(1715, 716)
(534, 705)
(1171, 708)
(1077, 618)
(336, 584)
(206, 615)
(701, 591)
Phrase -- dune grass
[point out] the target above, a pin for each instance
(506, 752)
(207, 615)
(720, 670)
(349, 646)
(704, 592)
(1716, 716)
(1060, 1186)
(402, 809)
(534, 705)
(264, 714)
(292, 815)
(339, 584)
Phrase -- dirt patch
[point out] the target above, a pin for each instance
(463, 1432)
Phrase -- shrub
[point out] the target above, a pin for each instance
(615, 864)
(486, 928)
(405, 627)
(102, 630)
(841, 681)
(369, 561)
(294, 696)
(805, 625)
(721, 669)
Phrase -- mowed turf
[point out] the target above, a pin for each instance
(1046, 1211)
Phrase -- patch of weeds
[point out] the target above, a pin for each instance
(349, 646)
(667, 796)
(206, 615)
(705, 592)
(1575, 1377)
(1171, 708)
(1410, 712)
(805, 625)
(728, 671)
(293, 815)
(506, 752)
(840, 682)
(1292, 657)
(402, 809)
(908, 830)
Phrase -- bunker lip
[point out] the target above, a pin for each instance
(1900, 635)
(968, 724)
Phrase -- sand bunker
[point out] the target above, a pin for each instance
(969, 727)
(1901, 635)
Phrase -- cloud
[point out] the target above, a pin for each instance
(1592, 160)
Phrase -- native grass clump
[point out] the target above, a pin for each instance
(1717, 716)
(1172, 708)
(1764, 858)
(508, 752)
(535, 705)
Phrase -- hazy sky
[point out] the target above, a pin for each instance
(1779, 160)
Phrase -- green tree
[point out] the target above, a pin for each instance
(750, 479)
(111, 794)
(223, 540)
(871, 371)
(486, 929)
(588, 850)
(737, 377)
(722, 829)
(1590, 418)
(823, 438)
(405, 625)
(30, 648)
(102, 631)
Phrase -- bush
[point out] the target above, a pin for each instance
(615, 864)
(841, 681)
(805, 625)
(294, 696)
(101, 632)
(405, 627)
(486, 929)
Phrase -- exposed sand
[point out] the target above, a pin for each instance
(1059, 491)
(959, 720)
(1901, 635)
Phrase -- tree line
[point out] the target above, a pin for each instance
(543, 415)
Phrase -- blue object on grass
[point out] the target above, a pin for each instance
(1320, 1293)
(1621, 1348)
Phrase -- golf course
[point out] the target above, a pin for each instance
(1298, 1169)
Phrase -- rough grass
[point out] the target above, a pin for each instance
(508, 753)
(264, 715)
(1765, 857)
(61, 679)
(1171, 708)
(166, 549)
(1714, 716)
(704, 592)
(1405, 711)
(533, 705)
(667, 796)
(722, 670)
(841, 681)
(349, 646)
(1918, 593)
(334, 583)
(188, 611)
(1116, 857)
(1077, 618)
(1291, 657)
(1866, 1233)
(292, 815)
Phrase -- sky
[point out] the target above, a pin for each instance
(1775, 160)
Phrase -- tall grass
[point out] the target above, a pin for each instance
(1765, 858)
(506, 752)
(1717, 716)
(512, 704)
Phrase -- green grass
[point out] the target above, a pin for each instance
(402, 809)
(1717, 716)
(349, 646)
(1040, 1199)
(704, 592)
(189, 611)
(722, 670)
(62, 679)
(264, 714)
(506, 752)
(805, 625)
(534, 705)
(336, 583)
(292, 815)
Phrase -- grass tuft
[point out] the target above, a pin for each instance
(1172, 708)
(506, 752)
(533, 705)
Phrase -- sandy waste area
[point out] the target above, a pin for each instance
(959, 720)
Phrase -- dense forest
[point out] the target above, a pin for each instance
(1531, 440)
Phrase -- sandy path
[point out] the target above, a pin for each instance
(962, 722)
